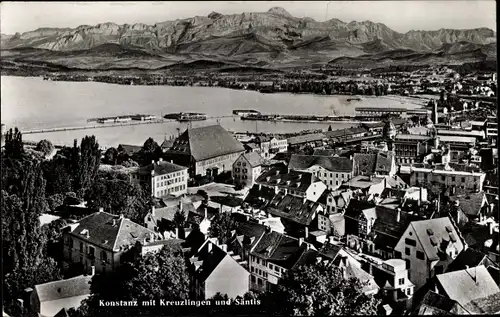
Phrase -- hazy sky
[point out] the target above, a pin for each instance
(400, 16)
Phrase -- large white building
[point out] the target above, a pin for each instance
(447, 175)
(166, 178)
(332, 171)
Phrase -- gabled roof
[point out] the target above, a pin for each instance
(387, 227)
(161, 168)
(293, 180)
(167, 144)
(207, 142)
(293, 208)
(369, 164)
(253, 159)
(356, 207)
(346, 132)
(469, 258)
(250, 232)
(109, 231)
(332, 164)
(211, 256)
(467, 285)
(72, 287)
(434, 234)
(470, 203)
(278, 248)
(442, 304)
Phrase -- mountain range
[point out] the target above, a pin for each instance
(265, 39)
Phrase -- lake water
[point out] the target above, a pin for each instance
(32, 103)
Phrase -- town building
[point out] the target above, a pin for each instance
(473, 288)
(316, 140)
(392, 276)
(429, 246)
(376, 164)
(332, 171)
(272, 257)
(208, 150)
(215, 270)
(457, 142)
(100, 240)
(447, 175)
(161, 217)
(411, 148)
(300, 184)
(247, 168)
(166, 178)
(50, 298)
(492, 130)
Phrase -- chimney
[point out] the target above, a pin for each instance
(92, 270)
(385, 182)
(453, 190)
(172, 161)
(153, 162)
(177, 233)
(114, 222)
(209, 246)
(121, 216)
(398, 215)
(307, 233)
(223, 247)
(101, 209)
(161, 159)
(151, 237)
(180, 205)
(206, 213)
(301, 241)
(490, 227)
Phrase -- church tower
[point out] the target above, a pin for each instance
(389, 133)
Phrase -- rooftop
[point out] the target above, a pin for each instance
(333, 164)
(278, 248)
(306, 138)
(109, 231)
(207, 142)
(293, 208)
(468, 285)
(161, 168)
(294, 180)
(56, 290)
(368, 164)
(435, 235)
(253, 159)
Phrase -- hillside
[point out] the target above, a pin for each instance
(272, 37)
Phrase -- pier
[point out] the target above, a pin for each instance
(109, 125)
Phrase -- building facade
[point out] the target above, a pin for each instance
(246, 169)
(332, 171)
(446, 176)
(165, 178)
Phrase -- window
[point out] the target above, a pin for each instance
(408, 291)
(270, 266)
(253, 278)
(401, 281)
(81, 247)
(453, 178)
(407, 251)
(463, 179)
(411, 242)
(104, 256)
(420, 255)
(397, 254)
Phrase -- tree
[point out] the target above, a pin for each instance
(319, 290)
(85, 161)
(45, 146)
(161, 275)
(180, 219)
(14, 144)
(221, 227)
(330, 128)
(150, 151)
(111, 156)
(114, 192)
